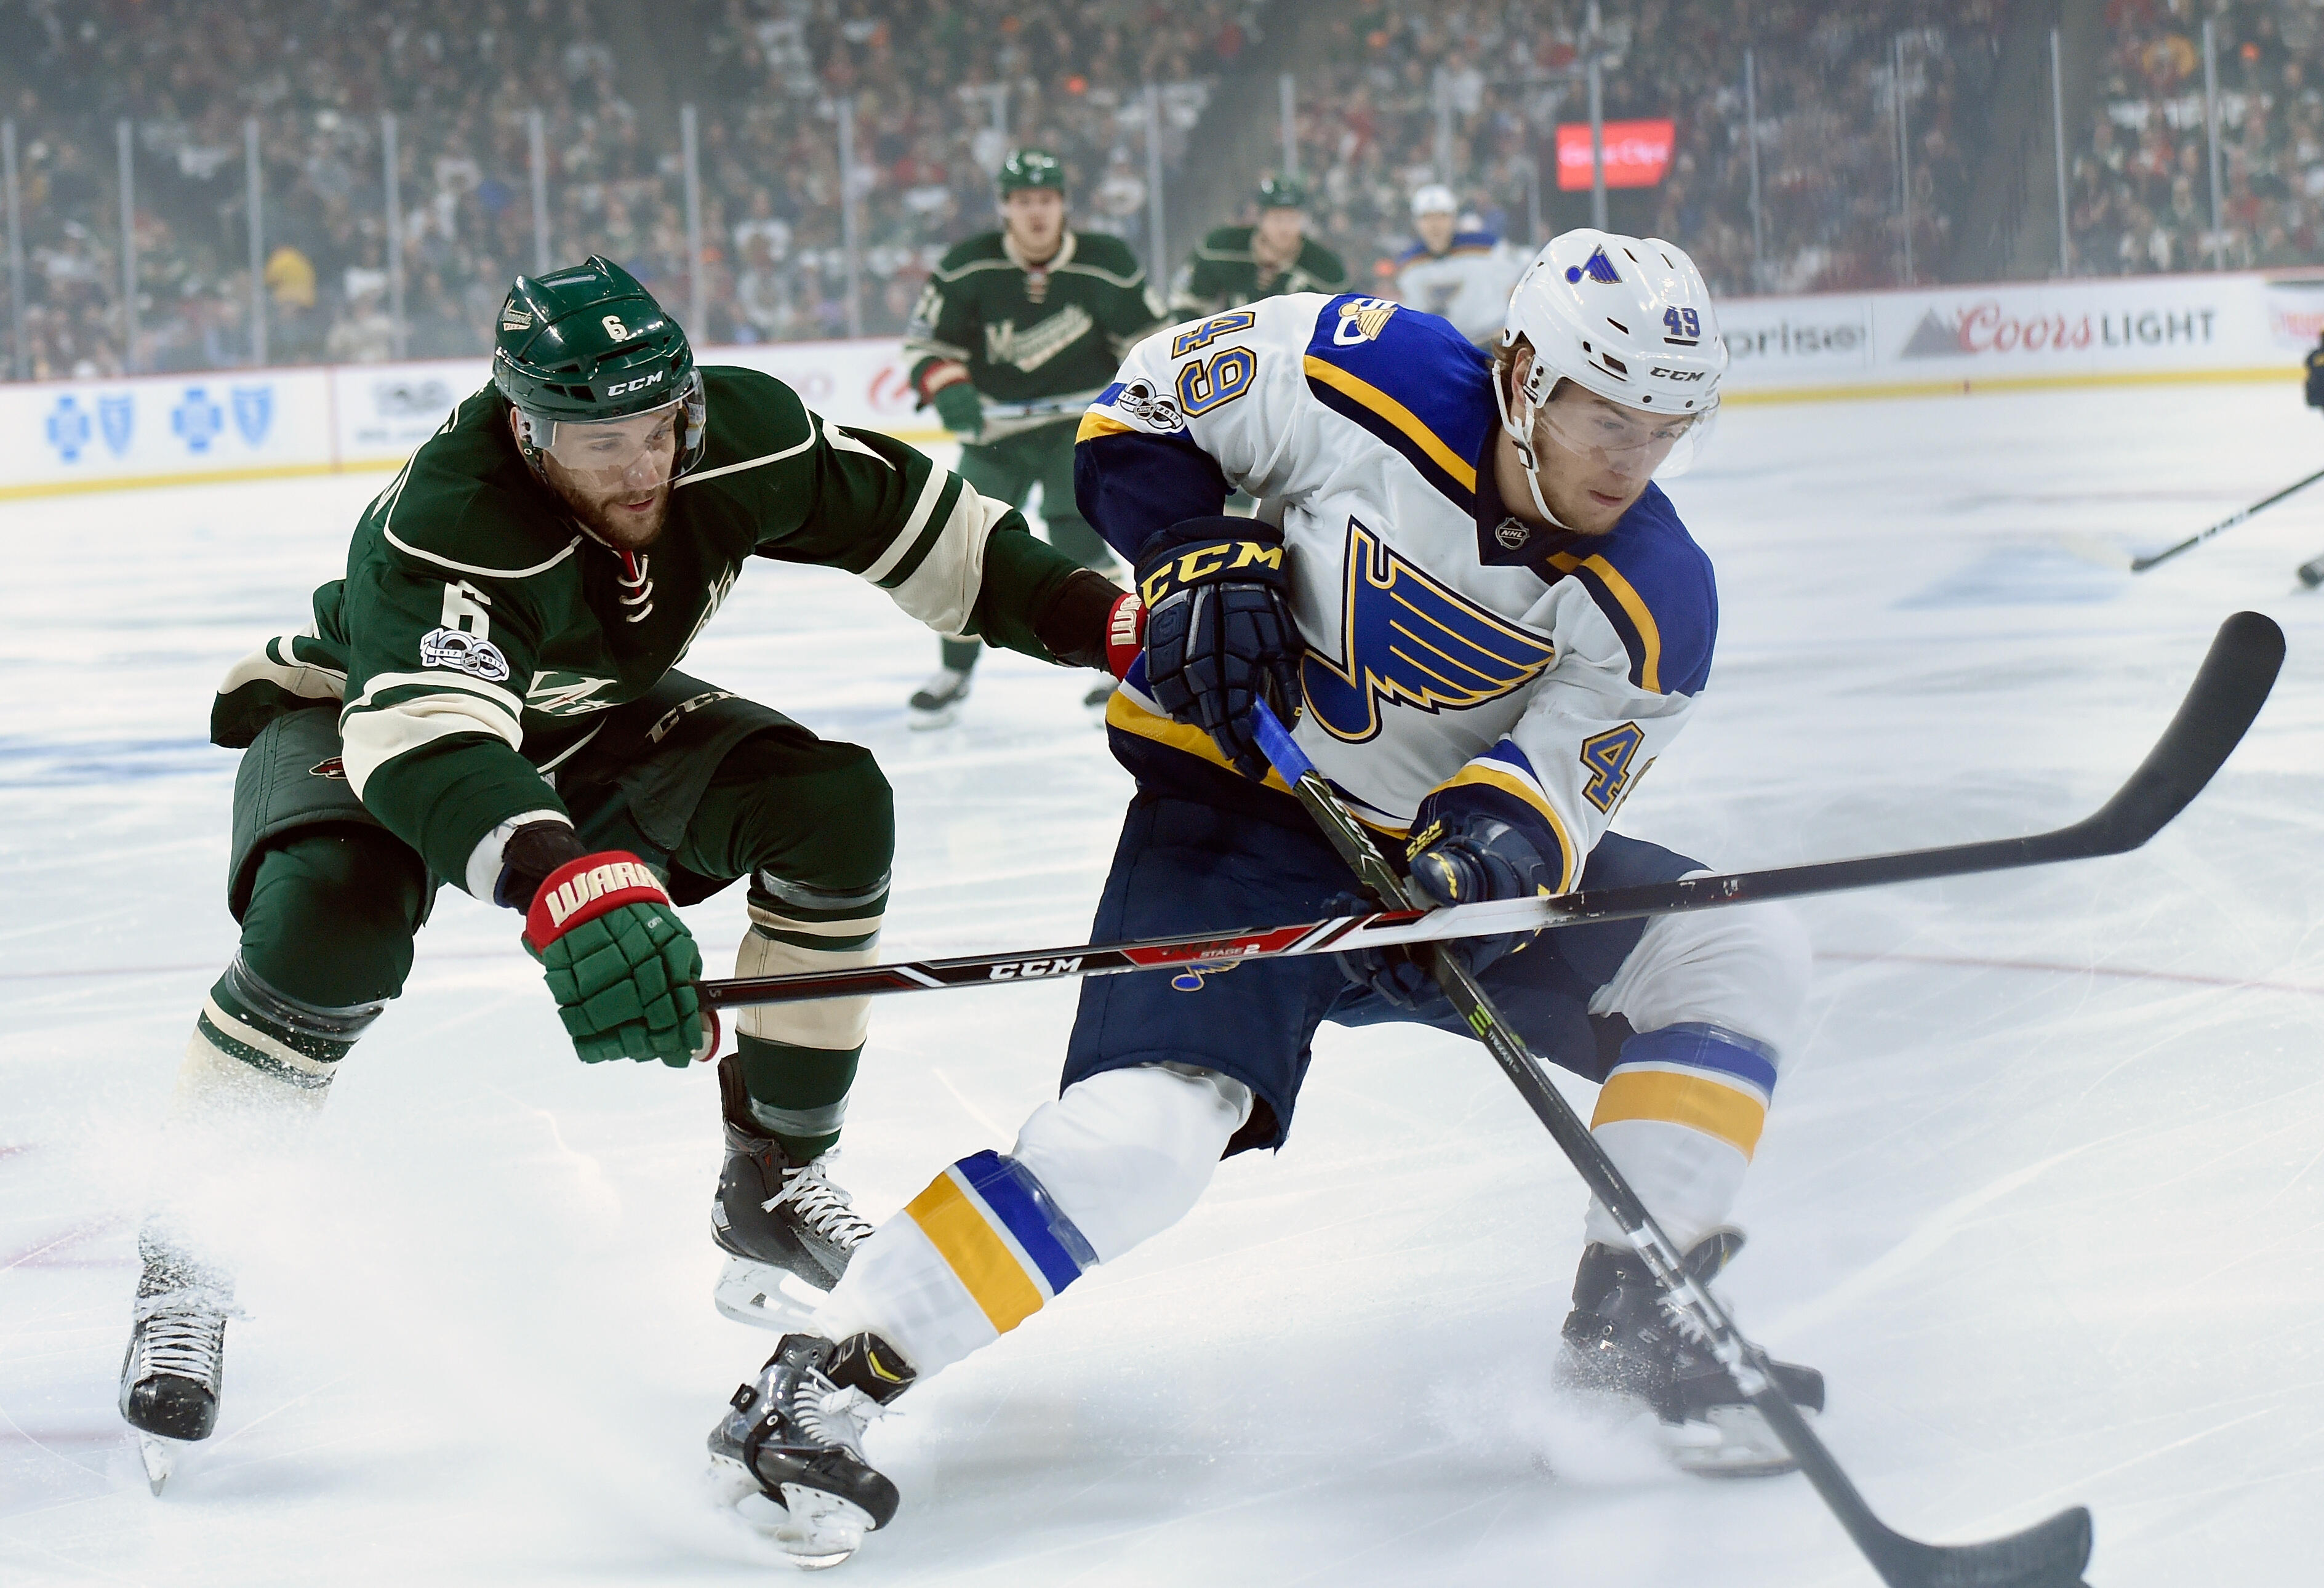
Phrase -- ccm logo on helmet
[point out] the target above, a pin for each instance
(1676, 374)
(618, 387)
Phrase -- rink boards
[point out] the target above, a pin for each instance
(278, 423)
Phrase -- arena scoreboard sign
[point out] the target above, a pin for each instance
(1638, 154)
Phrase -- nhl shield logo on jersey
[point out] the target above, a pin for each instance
(459, 649)
(1408, 640)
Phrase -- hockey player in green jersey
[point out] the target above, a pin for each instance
(1236, 265)
(1017, 331)
(489, 697)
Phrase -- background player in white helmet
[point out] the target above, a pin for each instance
(1494, 622)
(1461, 272)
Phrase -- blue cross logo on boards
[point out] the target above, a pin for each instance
(69, 427)
(196, 420)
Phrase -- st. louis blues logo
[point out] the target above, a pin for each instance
(1597, 267)
(1407, 640)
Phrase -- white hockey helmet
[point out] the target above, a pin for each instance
(1627, 318)
(1435, 199)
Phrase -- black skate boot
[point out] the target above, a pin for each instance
(789, 1454)
(176, 1361)
(786, 1229)
(937, 703)
(1621, 1342)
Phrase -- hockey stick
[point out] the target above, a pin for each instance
(2227, 694)
(2139, 565)
(2049, 1555)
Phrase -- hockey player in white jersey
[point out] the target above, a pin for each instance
(1466, 276)
(1488, 621)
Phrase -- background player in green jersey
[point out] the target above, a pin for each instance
(489, 697)
(1235, 265)
(1016, 334)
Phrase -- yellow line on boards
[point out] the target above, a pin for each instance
(278, 471)
(1973, 387)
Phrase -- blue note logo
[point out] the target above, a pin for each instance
(196, 420)
(117, 418)
(253, 412)
(69, 427)
(1190, 980)
(1406, 639)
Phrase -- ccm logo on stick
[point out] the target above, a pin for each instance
(1025, 970)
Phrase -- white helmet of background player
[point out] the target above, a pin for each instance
(1629, 320)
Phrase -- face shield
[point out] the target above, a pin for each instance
(1626, 441)
(608, 457)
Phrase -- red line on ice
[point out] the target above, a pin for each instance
(1972, 963)
(57, 1242)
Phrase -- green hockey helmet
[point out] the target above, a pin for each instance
(1283, 191)
(588, 345)
(1031, 168)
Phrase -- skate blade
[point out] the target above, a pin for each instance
(1727, 1442)
(161, 1458)
(922, 722)
(765, 1297)
(815, 1529)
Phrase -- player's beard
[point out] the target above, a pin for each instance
(604, 517)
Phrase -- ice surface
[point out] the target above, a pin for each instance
(2042, 1194)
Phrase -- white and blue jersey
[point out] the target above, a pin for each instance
(1469, 283)
(1452, 652)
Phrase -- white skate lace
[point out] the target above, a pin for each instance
(822, 1206)
(834, 1415)
(183, 1338)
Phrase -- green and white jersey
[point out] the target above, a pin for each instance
(1040, 342)
(480, 633)
(1224, 273)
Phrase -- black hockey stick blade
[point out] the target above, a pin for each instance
(2050, 1554)
(2139, 565)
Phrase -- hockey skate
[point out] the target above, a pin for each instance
(787, 1230)
(937, 703)
(1622, 1343)
(176, 1361)
(788, 1456)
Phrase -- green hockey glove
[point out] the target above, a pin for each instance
(961, 408)
(619, 962)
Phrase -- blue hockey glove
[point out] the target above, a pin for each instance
(1219, 632)
(1459, 857)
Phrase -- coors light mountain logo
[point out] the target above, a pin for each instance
(1984, 327)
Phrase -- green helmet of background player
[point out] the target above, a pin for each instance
(588, 344)
(1030, 168)
(1283, 191)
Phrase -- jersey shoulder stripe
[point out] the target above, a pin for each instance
(1655, 586)
(1410, 379)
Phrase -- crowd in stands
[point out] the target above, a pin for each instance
(462, 79)
(1415, 91)
(2141, 188)
(1392, 94)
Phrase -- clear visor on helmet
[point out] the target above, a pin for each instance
(1624, 440)
(638, 451)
